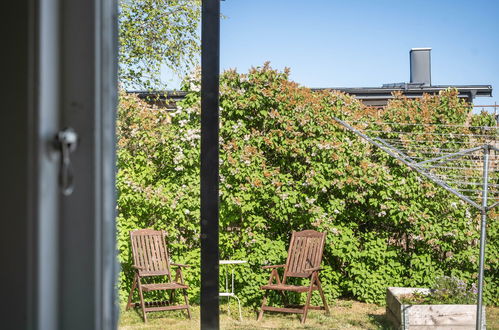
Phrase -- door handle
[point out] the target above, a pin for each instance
(66, 142)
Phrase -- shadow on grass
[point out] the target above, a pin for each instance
(380, 321)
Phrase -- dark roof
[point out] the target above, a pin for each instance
(369, 95)
(165, 99)
(380, 95)
(160, 94)
(413, 89)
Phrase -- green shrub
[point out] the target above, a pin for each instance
(287, 165)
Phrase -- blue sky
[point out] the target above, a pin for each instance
(364, 43)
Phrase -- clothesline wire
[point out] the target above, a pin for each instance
(435, 152)
(431, 150)
(460, 159)
(463, 164)
(453, 167)
(420, 124)
(407, 154)
(424, 146)
(471, 183)
(436, 166)
(468, 149)
(477, 178)
(468, 183)
(490, 191)
(431, 133)
(477, 158)
(435, 148)
(433, 142)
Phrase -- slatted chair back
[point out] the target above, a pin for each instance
(305, 252)
(150, 254)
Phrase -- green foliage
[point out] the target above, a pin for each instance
(287, 165)
(156, 34)
(446, 290)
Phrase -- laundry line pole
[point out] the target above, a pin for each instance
(484, 208)
(483, 227)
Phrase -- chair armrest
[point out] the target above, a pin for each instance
(179, 265)
(273, 266)
(313, 269)
(138, 267)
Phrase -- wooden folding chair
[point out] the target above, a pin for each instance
(304, 260)
(150, 258)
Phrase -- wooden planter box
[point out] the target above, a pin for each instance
(433, 317)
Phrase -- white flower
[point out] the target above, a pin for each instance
(191, 135)
(178, 158)
(310, 200)
(237, 126)
(187, 211)
(194, 87)
(176, 112)
(190, 110)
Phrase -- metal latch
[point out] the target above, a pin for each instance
(66, 142)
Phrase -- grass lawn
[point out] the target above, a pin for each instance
(345, 314)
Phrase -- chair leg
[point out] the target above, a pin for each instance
(307, 303)
(142, 301)
(172, 297)
(319, 286)
(260, 315)
(285, 300)
(273, 275)
(187, 303)
(130, 296)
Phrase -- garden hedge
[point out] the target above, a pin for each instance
(285, 165)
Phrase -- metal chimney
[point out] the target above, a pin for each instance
(421, 66)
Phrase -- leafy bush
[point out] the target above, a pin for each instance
(287, 165)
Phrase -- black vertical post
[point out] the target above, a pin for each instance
(210, 67)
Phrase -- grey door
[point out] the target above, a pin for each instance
(58, 250)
